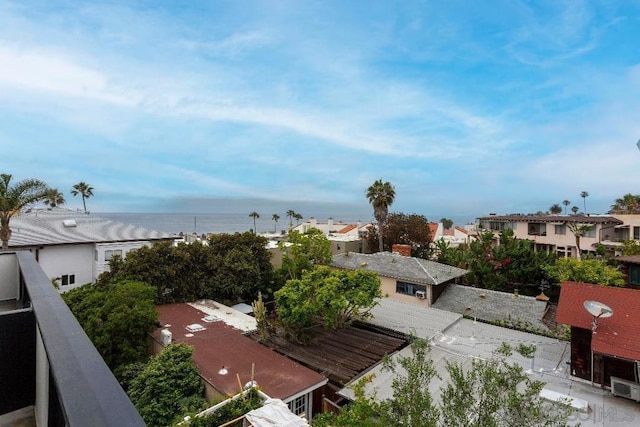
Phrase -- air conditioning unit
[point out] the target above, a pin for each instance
(166, 336)
(624, 388)
(421, 294)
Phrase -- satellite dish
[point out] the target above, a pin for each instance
(598, 309)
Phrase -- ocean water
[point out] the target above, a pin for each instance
(202, 223)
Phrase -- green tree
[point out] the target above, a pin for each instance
(492, 393)
(587, 270)
(627, 204)
(398, 227)
(381, 195)
(495, 392)
(302, 251)
(231, 268)
(254, 215)
(54, 198)
(566, 203)
(83, 189)
(446, 223)
(117, 318)
(275, 218)
(327, 297)
(555, 209)
(584, 195)
(630, 247)
(168, 387)
(412, 404)
(15, 197)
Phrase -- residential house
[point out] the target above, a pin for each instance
(75, 247)
(494, 306)
(602, 347)
(552, 233)
(343, 237)
(630, 266)
(403, 277)
(226, 357)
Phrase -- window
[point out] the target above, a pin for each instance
(636, 233)
(68, 279)
(634, 275)
(409, 288)
(96, 255)
(299, 405)
(590, 232)
(561, 229)
(110, 254)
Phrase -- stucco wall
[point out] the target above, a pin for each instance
(388, 289)
(68, 259)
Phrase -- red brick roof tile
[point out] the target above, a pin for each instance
(348, 228)
(618, 335)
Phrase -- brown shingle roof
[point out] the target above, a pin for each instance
(618, 335)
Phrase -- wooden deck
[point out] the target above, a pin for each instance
(340, 355)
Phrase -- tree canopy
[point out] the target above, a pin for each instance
(492, 393)
(446, 223)
(14, 197)
(627, 204)
(302, 251)
(500, 267)
(408, 229)
(587, 270)
(116, 317)
(229, 269)
(326, 297)
(167, 387)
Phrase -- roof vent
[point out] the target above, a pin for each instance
(195, 327)
(69, 223)
(210, 318)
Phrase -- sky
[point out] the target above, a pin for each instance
(466, 107)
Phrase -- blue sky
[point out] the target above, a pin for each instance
(466, 107)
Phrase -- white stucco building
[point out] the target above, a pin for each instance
(76, 247)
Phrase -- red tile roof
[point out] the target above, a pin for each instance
(433, 229)
(348, 228)
(618, 335)
(461, 229)
(221, 345)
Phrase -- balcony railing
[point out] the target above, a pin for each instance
(46, 359)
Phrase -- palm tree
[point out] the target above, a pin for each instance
(555, 209)
(85, 190)
(291, 213)
(566, 203)
(254, 215)
(297, 217)
(381, 196)
(13, 198)
(275, 219)
(54, 198)
(584, 196)
(578, 231)
(575, 209)
(628, 204)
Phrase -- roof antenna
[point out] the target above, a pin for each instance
(599, 311)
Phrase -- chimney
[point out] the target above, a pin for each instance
(404, 250)
(330, 223)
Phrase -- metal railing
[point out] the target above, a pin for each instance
(67, 380)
